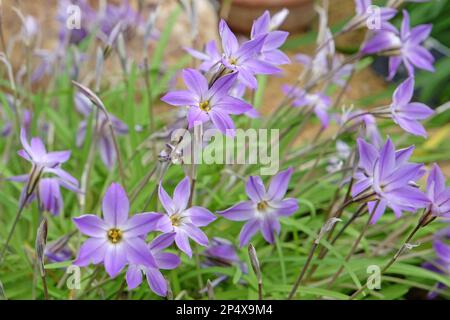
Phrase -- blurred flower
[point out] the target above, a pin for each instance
(30, 29)
(221, 253)
(387, 175)
(402, 47)
(405, 113)
(319, 103)
(105, 141)
(117, 239)
(366, 13)
(438, 192)
(58, 250)
(365, 121)
(43, 161)
(211, 57)
(183, 221)
(243, 58)
(115, 14)
(206, 103)
(264, 208)
(441, 264)
(49, 191)
(75, 35)
(6, 123)
(164, 260)
(270, 55)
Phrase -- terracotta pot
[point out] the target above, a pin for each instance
(243, 12)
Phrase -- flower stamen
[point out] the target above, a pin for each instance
(115, 235)
(204, 106)
(175, 219)
(262, 206)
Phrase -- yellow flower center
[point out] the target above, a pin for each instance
(175, 219)
(262, 206)
(204, 106)
(232, 61)
(115, 235)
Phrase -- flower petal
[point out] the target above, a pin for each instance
(92, 251)
(182, 242)
(180, 98)
(230, 43)
(91, 225)
(181, 194)
(156, 281)
(165, 200)
(269, 227)
(368, 154)
(380, 209)
(133, 277)
(255, 189)
(435, 181)
(162, 241)
(387, 159)
(248, 231)
(222, 121)
(115, 206)
(200, 216)
(285, 207)
(231, 105)
(240, 212)
(221, 87)
(142, 223)
(279, 185)
(412, 126)
(167, 261)
(115, 259)
(404, 92)
(196, 116)
(195, 82)
(196, 234)
(137, 252)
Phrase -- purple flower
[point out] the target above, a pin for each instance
(402, 47)
(115, 14)
(211, 57)
(43, 161)
(183, 221)
(364, 121)
(75, 35)
(320, 103)
(222, 253)
(58, 250)
(206, 103)
(164, 260)
(441, 264)
(6, 123)
(49, 190)
(263, 210)
(243, 58)
(105, 141)
(405, 113)
(438, 193)
(388, 176)
(36, 153)
(364, 14)
(270, 54)
(116, 240)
